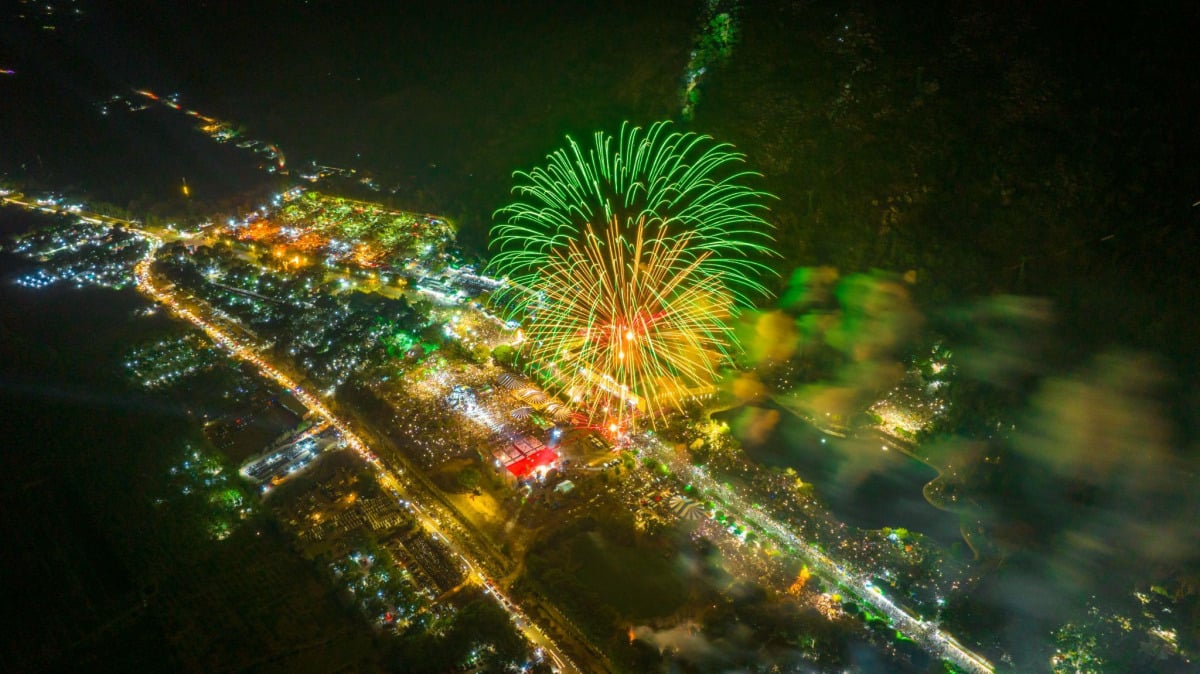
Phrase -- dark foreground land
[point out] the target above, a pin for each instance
(108, 566)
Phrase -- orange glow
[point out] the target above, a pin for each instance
(366, 256)
(801, 580)
(309, 242)
(346, 232)
(828, 605)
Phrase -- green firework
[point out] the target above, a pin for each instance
(627, 260)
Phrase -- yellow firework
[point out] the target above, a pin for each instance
(627, 263)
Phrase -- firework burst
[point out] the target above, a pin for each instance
(626, 262)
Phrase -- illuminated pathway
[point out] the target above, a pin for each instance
(925, 633)
(387, 478)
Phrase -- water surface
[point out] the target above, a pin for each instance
(864, 485)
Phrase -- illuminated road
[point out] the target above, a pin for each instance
(927, 634)
(936, 641)
(386, 477)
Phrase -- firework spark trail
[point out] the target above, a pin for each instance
(633, 255)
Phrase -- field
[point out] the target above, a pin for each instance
(638, 583)
(604, 572)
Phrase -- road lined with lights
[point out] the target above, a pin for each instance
(925, 633)
(386, 477)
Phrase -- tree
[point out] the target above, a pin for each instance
(504, 354)
(469, 478)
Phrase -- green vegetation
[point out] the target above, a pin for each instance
(398, 343)
(383, 592)
(468, 478)
(504, 355)
(203, 477)
(605, 577)
(479, 634)
(713, 46)
(1143, 634)
(168, 361)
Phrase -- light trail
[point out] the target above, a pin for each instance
(386, 477)
(932, 638)
(927, 634)
(935, 640)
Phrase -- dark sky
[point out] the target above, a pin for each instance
(1016, 135)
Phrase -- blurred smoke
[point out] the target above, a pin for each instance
(1102, 436)
(1001, 339)
(774, 339)
(755, 425)
(1074, 486)
(748, 389)
(852, 329)
(1085, 426)
(684, 640)
(1087, 498)
(878, 318)
(731, 645)
(808, 287)
(735, 649)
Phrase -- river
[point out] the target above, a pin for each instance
(864, 485)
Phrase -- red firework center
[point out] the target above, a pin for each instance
(627, 329)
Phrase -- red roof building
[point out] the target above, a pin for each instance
(523, 467)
